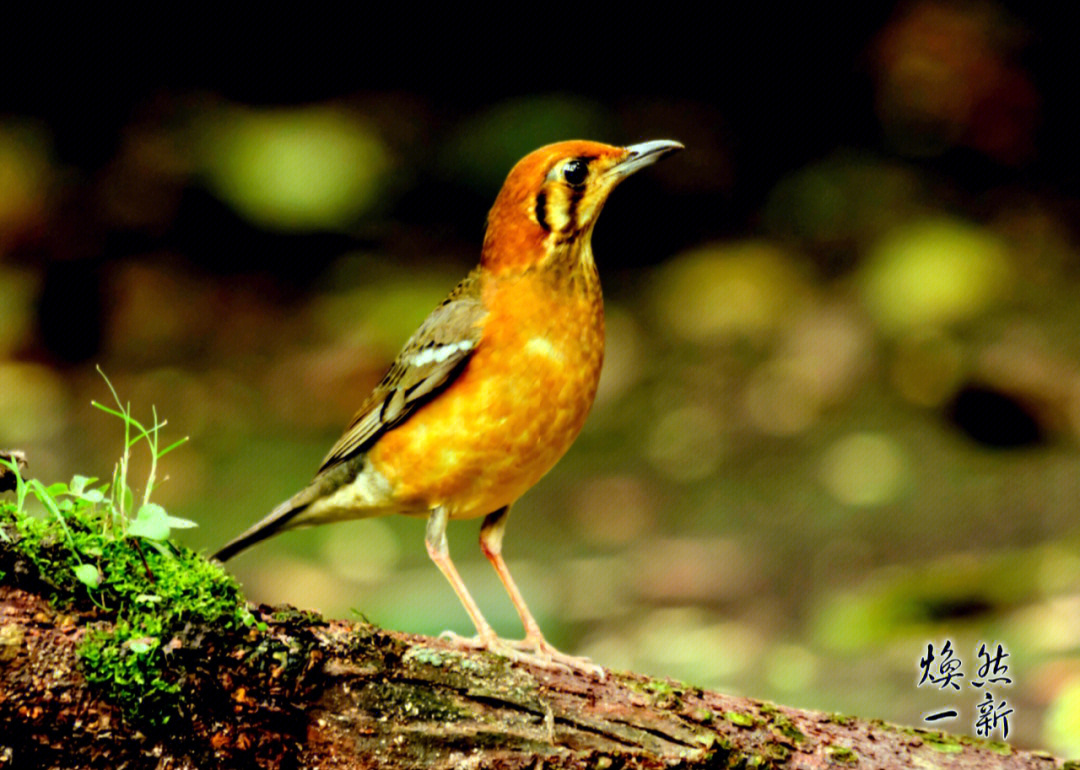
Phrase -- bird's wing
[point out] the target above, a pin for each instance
(431, 359)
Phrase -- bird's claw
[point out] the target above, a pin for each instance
(530, 650)
(540, 652)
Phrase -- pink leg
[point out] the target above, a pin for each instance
(538, 649)
(439, 552)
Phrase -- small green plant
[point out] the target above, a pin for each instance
(151, 521)
(82, 499)
(89, 547)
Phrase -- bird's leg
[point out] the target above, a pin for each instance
(491, 537)
(540, 650)
(439, 551)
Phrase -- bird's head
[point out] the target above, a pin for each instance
(552, 197)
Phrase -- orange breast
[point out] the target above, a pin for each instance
(515, 409)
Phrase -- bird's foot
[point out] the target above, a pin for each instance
(531, 650)
(538, 651)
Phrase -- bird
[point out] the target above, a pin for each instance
(492, 389)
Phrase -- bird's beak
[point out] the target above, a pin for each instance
(638, 156)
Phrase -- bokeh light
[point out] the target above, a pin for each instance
(303, 168)
(933, 273)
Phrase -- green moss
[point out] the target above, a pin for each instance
(768, 755)
(943, 742)
(775, 753)
(664, 694)
(425, 656)
(705, 740)
(787, 728)
(947, 743)
(939, 741)
(1000, 747)
(150, 590)
(454, 660)
(660, 688)
(740, 719)
(842, 755)
(780, 723)
(294, 616)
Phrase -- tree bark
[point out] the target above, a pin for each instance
(371, 698)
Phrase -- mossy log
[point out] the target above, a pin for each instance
(302, 692)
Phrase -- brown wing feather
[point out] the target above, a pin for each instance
(430, 360)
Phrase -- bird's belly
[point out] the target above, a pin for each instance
(507, 419)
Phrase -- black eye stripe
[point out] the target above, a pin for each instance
(576, 194)
(541, 211)
(556, 205)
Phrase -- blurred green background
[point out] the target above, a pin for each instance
(840, 410)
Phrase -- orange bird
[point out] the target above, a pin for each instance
(494, 386)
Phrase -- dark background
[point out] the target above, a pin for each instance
(842, 394)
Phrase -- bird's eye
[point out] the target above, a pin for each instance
(575, 172)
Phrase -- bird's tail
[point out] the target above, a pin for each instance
(307, 507)
(278, 519)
